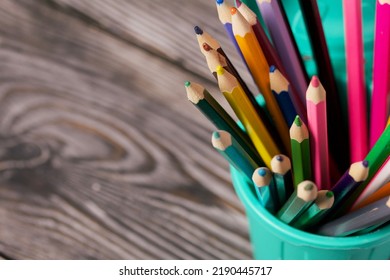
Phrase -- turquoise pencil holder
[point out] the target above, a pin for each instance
(272, 239)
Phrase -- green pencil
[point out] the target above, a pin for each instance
(265, 188)
(204, 101)
(233, 152)
(281, 167)
(376, 157)
(299, 201)
(316, 211)
(300, 149)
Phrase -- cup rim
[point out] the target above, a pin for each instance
(296, 236)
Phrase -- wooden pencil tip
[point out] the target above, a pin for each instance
(298, 121)
(198, 30)
(233, 10)
(220, 70)
(187, 84)
(206, 47)
(315, 82)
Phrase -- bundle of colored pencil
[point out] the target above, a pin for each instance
(302, 120)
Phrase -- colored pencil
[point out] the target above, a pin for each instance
(280, 89)
(225, 17)
(254, 126)
(373, 214)
(204, 101)
(204, 37)
(348, 183)
(381, 77)
(233, 152)
(313, 215)
(258, 66)
(300, 150)
(376, 157)
(338, 135)
(318, 129)
(379, 194)
(298, 202)
(265, 188)
(357, 107)
(380, 178)
(214, 59)
(268, 49)
(281, 168)
(277, 24)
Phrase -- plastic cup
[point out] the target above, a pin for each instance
(272, 239)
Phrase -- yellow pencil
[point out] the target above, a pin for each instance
(242, 107)
(259, 68)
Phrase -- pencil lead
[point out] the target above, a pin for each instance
(272, 68)
(187, 84)
(206, 47)
(298, 121)
(315, 82)
(198, 30)
(309, 187)
(365, 163)
(233, 10)
(238, 3)
(329, 194)
(220, 70)
(262, 172)
(279, 158)
(219, 2)
(216, 135)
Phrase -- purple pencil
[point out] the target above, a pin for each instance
(276, 21)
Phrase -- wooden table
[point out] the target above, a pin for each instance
(101, 154)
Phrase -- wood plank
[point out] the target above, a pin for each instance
(101, 155)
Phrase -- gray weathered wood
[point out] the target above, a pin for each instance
(101, 155)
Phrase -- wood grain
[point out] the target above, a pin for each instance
(101, 154)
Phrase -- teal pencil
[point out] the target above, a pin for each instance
(205, 103)
(265, 188)
(233, 152)
(299, 201)
(281, 167)
(313, 215)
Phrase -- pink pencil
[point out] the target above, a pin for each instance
(357, 107)
(381, 71)
(318, 128)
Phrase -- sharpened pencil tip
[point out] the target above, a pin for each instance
(238, 3)
(198, 30)
(309, 187)
(298, 121)
(206, 47)
(216, 135)
(272, 68)
(219, 2)
(220, 70)
(187, 84)
(233, 10)
(315, 82)
(365, 163)
(262, 172)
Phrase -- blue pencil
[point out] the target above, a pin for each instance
(281, 90)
